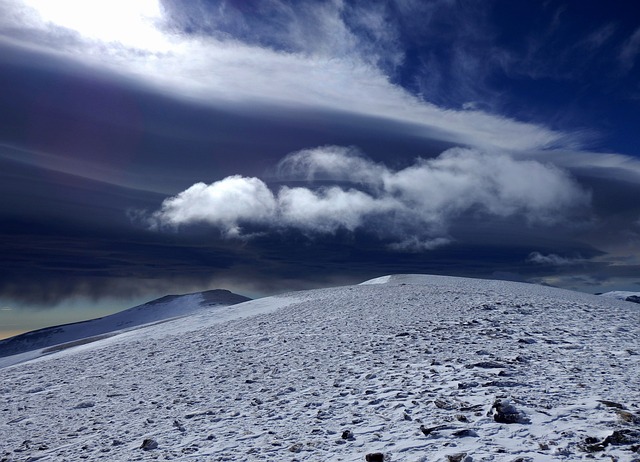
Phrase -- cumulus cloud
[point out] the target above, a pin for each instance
(551, 259)
(412, 206)
(224, 204)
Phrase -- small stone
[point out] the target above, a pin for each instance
(85, 405)
(149, 444)
(442, 404)
(296, 447)
(629, 417)
(428, 430)
(613, 404)
(347, 435)
(507, 414)
(458, 457)
(465, 385)
(486, 365)
(464, 433)
(179, 426)
(374, 457)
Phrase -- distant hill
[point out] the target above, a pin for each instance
(162, 309)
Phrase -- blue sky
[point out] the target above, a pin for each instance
(153, 147)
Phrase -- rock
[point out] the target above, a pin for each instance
(428, 430)
(149, 444)
(458, 457)
(633, 298)
(178, 425)
(85, 405)
(486, 365)
(506, 413)
(503, 384)
(442, 404)
(296, 447)
(465, 433)
(628, 417)
(347, 435)
(374, 457)
(611, 404)
(617, 438)
(620, 437)
(465, 385)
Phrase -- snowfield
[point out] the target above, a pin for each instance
(409, 368)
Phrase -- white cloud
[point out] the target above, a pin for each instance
(552, 259)
(412, 206)
(315, 75)
(329, 209)
(456, 181)
(597, 164)
(225, 204)
(335, 163)
(414, 244)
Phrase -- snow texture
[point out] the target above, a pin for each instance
(417, 368)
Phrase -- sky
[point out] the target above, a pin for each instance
(152, 147)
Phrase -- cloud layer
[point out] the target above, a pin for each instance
(231, 63)
(411, 206)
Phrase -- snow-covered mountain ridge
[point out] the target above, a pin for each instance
(623, 295)
(162, 309)
(413, 368)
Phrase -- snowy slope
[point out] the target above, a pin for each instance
(164, 308)
(418, 368)
(623, 295)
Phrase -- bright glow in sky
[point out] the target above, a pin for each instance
(131, 23)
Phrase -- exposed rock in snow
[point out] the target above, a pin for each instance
(323, 375)
(149, 444)
(633, 298)
(627, 296)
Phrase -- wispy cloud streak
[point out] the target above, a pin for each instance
(312, 73)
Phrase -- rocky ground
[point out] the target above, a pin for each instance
(411, 369)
